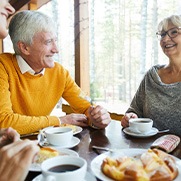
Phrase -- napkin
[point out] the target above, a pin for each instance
(166, 143)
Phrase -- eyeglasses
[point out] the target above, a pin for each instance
(172, 33)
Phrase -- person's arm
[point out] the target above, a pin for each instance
(16, 158)
(97, 116)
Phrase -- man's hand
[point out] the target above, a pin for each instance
(75, 119)
(98, 116)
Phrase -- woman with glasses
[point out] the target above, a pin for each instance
(158, 96)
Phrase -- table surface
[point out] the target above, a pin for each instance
(111, 137)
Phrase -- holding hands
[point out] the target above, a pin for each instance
(98, 116)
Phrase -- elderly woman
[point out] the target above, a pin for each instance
(158, 96)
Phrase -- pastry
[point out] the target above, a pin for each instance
(153, 165)
(46, 153)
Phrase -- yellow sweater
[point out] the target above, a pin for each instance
(27, 100)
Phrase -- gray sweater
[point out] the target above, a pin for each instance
(158, 101)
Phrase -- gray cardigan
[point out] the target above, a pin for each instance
(158, 101)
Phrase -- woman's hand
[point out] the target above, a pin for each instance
(126, 118)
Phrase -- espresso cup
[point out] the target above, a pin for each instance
(64, 168)
(59, 136)
(141, 125)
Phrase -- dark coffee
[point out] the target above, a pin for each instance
(58, 132)
(142, 121)
(63, 168)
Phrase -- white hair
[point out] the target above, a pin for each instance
(25, 24)
(174, 19)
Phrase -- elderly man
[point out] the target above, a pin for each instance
(31, 83)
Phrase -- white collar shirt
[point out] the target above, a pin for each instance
(24, 67)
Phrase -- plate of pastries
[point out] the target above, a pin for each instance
(137, 165)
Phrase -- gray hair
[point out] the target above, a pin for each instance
(174, 19)
(25, 24)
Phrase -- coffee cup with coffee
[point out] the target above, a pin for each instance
(59, 136)
(64, 168)
(140, 125)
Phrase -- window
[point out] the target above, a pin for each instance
(122, 44)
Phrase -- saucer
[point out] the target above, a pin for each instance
(78, 130)
(152, 132)
(74, 142)
(88, 177)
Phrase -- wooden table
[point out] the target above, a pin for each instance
(112, 137)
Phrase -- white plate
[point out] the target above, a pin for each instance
(36, 167)
(78, 130)
(74, 142)
(88, 177)
(128, 131)
(96, 162)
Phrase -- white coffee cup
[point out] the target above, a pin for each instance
(59, 136)
(141, 125)
(74, 168)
